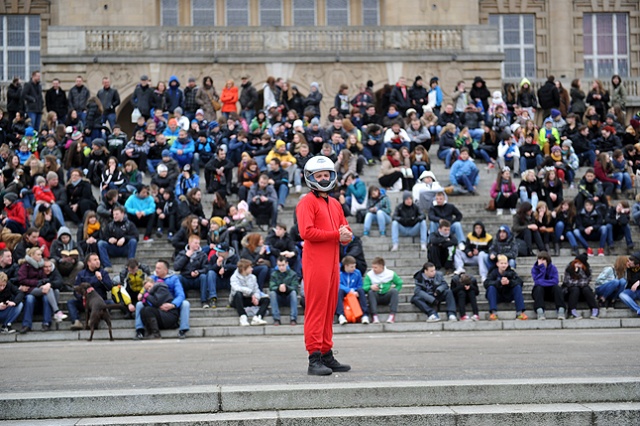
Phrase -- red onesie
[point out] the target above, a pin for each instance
(319, 221)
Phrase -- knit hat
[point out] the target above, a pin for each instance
(280, 143)
(548, 120)
(29, 131)
(172, 121)
(178, 110)
(162, 168)
(316, 85)
(11, 196)
(192, 79)
(583, 258)
(410, 111)
(297, 123)
(609, 129)
(166, 153)
(186, 168)
(635, 124)
(217, 220)
(555, 113)
(556, 148)
(99, 142)
(213, 124)
(611, 116)
(635, 257)
(76, 135)
(200, 111)
(514, 127)
(315, 121)
(594, 117)
(68, 130)
(567, 143)
(407, 194)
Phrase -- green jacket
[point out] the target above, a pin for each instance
(396, 283)
(288, 278)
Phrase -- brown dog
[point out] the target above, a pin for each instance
(95, 308)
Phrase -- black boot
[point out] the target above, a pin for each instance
(556, 249)
(575, 252)
(153, 331)
(316, 367)
(333, 364)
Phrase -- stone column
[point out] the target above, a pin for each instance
(560, 36)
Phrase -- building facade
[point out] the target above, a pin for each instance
(327, 41)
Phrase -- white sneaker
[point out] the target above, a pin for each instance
(482, 279)
(460, 246)
(243, 321)
(453, 318)
(459, 272)
(365, 319)
(433, 318)
(512, 211)
(394, 247)
(423, 247)
(257, 320)
(342, 320)
(499, 212)
(59, 316)
(298, 189)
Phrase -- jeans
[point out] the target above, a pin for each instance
(380, 217)
(446, 155)
(29, 305)
(10, 314)
(184, 316)
(105, 250)
(151, 165)
(362, 299)
(524, 197)
(559, 229)
(523, 162)
(372, 151)
(36, 118)
(626, 231)
(587, 158)
(468, 181)
(625, 180)
(629, 298)
(283, 192)
(476, 134)
(611, 289)
(290, 299)
(505, 294)
(417, 171)
(456, 228)
(428, 303)
(599, 235)
(205, 283)
(110, 118)
(460, 259)
(248, 114)
(419, 228)
(182, 159)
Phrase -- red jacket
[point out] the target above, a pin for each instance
(43, 194)
(17, 213)
(601, 175)
(229, 98)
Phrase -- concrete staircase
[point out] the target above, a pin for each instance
(409, 259)
(526, 402)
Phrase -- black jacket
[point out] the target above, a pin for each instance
(186, 265)
(355, 250)
(248, 96)
(110, 99)
(456, 286)
(446, 211)
(494, 278)
(32, 98)
(403, 103)
(78, 97)
(117, 230)
(142, 99)
(432, 286)
(548, 96)
(11, 294)
(57, 101)
(586, 219)
(408, 215)
(14, 95)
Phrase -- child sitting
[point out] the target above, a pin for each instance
(382, 286)
(245, 293)
(442, 246)
(351, 282)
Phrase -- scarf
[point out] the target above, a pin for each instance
(31, 261)
(393, 161)
(384, 277)
(91, 229)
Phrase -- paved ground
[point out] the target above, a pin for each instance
(46, 366)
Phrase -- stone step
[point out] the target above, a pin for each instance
(547, 401)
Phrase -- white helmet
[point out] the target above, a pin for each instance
(318, 164)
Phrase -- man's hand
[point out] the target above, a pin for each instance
(167, 307)
(375, 287)
(112, 240)
(282, 288)
(139, 214)
(635, 286)
(98, 276)
(254, 300)
(504, 281)
(120, 242)
(195, 273)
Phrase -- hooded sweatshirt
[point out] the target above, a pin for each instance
(386, 280)
(480, 242)
(508, 246)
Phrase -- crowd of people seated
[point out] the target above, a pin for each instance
(76, 167)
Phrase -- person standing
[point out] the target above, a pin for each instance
(323, 227)
(56, 100)
(32, 100)
(110, 99)
(78, 98)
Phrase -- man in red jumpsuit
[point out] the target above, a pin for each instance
(323, 228)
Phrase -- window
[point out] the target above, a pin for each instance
(517, 41)
(271, 12)
(304, 13)
(20, 45)
(370, 12)
(169, 13)
(203, 13)
(237, 13)
(606, 44)
(337, 12)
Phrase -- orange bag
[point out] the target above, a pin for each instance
(352, 309)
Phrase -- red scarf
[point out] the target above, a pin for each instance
(393, 161)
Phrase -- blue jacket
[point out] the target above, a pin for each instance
(352, 281)
(175, 96)
(439, 96)
(103, 288)
(171, 136)
(175, 287)
(184, 185)
(463, 168)
(187, 147)
(136, 204)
